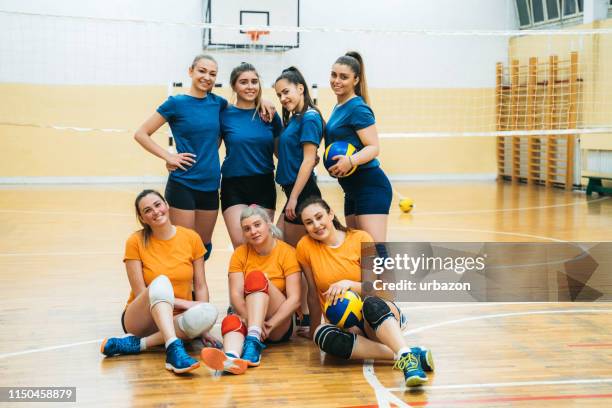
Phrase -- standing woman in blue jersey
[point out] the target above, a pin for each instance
(297, 149)
(248, 167)
(367, 192)
(192, 189)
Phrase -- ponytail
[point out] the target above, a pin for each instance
(146, 228)
(294, 76)
(354, 61)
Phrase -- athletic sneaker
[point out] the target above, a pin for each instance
(410, 364)
(220, 361)
(425, 356)
(251, 351)
(113, 346)
(178, 360)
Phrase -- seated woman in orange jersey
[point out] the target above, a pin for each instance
(330, 256)
(164, 262)
(264, 286)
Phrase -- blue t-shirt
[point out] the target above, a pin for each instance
(300, 129)
(195, 126)
(344, 123)
(249, 142)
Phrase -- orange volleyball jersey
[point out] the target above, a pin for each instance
(330, 265)
(173, 257)
(277, 265)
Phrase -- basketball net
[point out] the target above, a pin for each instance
(255, 34)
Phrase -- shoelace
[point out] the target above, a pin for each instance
(409, 361)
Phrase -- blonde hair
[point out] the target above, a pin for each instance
(254, 209)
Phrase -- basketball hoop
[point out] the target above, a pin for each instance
(255, 34)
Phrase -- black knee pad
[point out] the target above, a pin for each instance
(335, 341)
(376, 311)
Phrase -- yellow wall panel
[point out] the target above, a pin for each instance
(32, 151)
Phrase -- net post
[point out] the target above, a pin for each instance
(516, 140)
(572, 115)
(551, 100)
(499, 72)
(532, 149)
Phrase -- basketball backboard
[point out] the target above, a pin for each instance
(255, 16)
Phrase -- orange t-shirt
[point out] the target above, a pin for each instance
(277, 265)
(330, 265)
(173, 257)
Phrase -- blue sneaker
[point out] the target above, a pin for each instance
(251, 351)
(114, 346)
(410, 364)
(425, 357)
(178, 360)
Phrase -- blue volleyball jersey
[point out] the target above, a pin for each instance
(249, 142)
(346, 120)
(300, 129)
(195, 126)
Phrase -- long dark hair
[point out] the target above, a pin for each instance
(146, 228)
(354, 61)
(314, 200)
(241, 69)
(294, 76)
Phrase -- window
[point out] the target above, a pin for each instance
(569, 7)
(552, 8)
(537, 11)
(523, 12)
(540, 12)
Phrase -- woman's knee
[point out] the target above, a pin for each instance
(197, 320)
(335, 341)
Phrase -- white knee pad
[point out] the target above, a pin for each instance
(198, 319)
(160, 290)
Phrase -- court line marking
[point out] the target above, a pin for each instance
(84, 253)
(47, 212)
(407, 305)
(501, 315)
(518, 234)
(508, 384)
(507, 399)
(62, 346)
(16, 254)
(575, 203)
(385, 393)
(594, 345)
(582, 202)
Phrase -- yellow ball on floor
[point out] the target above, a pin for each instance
(406, 205)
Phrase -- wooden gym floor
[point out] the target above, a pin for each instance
(64, 287)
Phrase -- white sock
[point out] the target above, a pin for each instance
(254, 331)
(143, 344)
(402, 351)
(170, 340)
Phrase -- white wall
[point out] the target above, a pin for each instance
(50, 50)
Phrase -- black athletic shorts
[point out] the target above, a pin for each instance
(259, 189)
(186, 198)
(310, 189)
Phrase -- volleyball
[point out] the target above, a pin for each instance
(346, 313)
(338, 149)
(406, 205)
